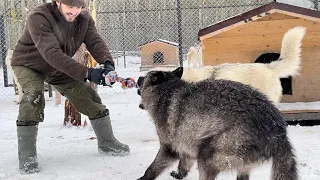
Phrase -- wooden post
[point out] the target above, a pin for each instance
(84, 57)
(50, 90)
(71, 114)
(91, 62)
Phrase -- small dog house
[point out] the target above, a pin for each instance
(256, 35)
(159, 53)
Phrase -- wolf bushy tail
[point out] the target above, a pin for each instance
(284, 163)
(289, 62)
(194, 56)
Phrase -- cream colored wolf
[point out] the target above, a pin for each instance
(264, 77)
(9, 67)
(194, 56)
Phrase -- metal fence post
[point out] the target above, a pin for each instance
(179, 32)
(316, 5)
(3, 51)
(123, 31)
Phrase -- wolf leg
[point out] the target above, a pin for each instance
(184, 167)
(284, 165)
(207, 171)
(165, 158)
(243, 177)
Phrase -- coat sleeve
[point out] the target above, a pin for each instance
(47, 44)
(96, 45)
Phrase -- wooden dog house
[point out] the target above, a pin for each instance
(244, 38)
(159, 53)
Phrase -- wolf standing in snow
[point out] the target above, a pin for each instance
(223, 125)
(264, 77)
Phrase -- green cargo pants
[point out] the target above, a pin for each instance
(85, 99)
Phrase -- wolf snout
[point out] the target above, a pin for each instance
(140, 81)
(141, 106)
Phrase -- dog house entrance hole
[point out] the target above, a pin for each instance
(286, 83)
(158, 57)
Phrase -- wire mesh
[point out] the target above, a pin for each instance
(139, 33)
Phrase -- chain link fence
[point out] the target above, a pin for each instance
(139, 33)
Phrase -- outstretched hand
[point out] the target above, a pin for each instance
(96, 75)
(113, 77)
(110, 78)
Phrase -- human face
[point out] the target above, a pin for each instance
(68, 12)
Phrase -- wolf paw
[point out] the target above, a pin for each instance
(177, 175)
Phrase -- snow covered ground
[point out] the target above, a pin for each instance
(66, 153)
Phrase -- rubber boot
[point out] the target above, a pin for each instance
(27, 151)
(107, 143)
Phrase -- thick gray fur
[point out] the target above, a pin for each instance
(223, 125)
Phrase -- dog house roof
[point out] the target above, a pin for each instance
(160, 40)
(257, 13)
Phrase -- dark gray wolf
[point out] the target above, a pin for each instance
(221, 124)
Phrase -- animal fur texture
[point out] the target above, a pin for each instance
(194, 56)
(223, 125)
(264, 77)
(9, 67)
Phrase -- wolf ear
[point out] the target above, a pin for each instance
(178, 72)
(157, 78)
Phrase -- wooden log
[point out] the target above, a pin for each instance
(71, 114)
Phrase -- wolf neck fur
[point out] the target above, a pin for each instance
(159, 104)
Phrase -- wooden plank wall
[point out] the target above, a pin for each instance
(306, 86)
(245, 43)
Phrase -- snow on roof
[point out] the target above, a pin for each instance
(169, 42)
(160, 40)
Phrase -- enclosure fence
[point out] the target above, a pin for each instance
(130, 27)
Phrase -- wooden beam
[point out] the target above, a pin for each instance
(271, 27)
(301, 116)
(276, 16)
(255, 42)
(301, 111)
(298, 15)
(247, 21)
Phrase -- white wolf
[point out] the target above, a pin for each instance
(194, 56)
(9, 67)
(264, 77)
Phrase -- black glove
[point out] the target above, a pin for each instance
(108, 66)
(96, 75)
